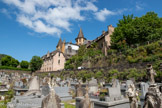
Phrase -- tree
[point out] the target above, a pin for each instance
(136, 30)
(9, 61)
(24, 64)
(35, 63)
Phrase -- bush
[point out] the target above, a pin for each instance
(24, 64)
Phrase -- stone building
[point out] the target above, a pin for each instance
(53, 61)
(68, 48)
(103, 41)
(64, 50)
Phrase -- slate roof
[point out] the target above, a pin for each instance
(59, 43)
(80, 35)
(51, 54)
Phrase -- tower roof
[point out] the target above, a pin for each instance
(59, 43)
(80, 35)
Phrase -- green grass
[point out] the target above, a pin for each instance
(13, 68)
(67, 104)
(2, 104)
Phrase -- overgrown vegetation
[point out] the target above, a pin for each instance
(8, 96)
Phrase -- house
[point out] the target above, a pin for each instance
(53, 61)
(104, 40)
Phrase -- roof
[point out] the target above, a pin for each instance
(59, 43)
(52, 54)
(99, 38)
(71, 43)
(80, 35)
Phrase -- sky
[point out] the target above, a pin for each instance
(34, 27)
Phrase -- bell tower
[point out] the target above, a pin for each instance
(80, 39)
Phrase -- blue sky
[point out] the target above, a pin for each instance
(33, 27)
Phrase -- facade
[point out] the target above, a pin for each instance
(70, 49)
(53, 61)
(104, 40)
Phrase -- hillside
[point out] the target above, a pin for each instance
(135, 42)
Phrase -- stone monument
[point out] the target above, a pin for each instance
(153, 98)
(132, 94)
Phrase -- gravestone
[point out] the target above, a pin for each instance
(114, 92)
(93, 86)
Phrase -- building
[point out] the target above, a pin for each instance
(104, 40)
(68, 48)
(53, 61)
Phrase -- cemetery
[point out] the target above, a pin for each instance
(32, 91)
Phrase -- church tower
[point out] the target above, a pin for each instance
(80, 39)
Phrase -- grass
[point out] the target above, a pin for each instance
(2, 104)
(13, 68)
(67, 104)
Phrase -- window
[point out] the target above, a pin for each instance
(69, 49)
(58, 61)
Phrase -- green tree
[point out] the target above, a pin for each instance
(136, 30)
(24, 64)
(35, 63)
(9, 61)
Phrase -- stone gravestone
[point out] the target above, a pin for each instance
(93, 86)
(114, 92)
(51, 100)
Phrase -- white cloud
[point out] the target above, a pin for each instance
(103, 14)
(54, 16)
(139, 6)
(50, 16)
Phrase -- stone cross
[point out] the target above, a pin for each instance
(79, 90)
(151, 73)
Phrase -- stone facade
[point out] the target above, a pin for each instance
(104, 40)
(53, 61)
